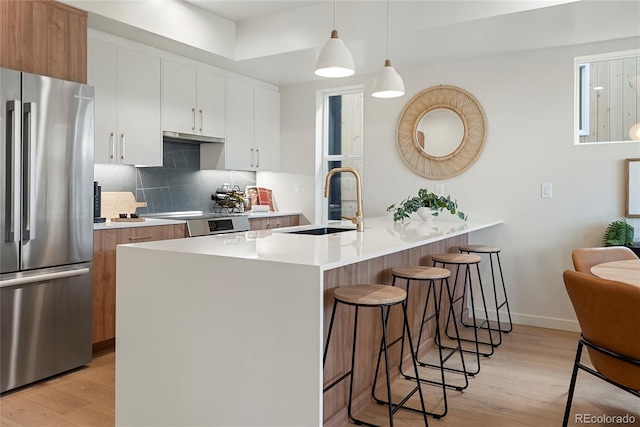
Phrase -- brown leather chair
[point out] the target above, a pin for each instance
(585, 258)
(609, 316)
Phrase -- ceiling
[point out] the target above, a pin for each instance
(277, 41)
(236, 11)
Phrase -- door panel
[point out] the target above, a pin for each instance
(10, 115)
(58, 185)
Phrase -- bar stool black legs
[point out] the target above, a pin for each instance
(383, 297)
(430, 276)
(500, 305)
(464, 262)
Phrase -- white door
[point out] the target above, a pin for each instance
(139, 128)
(211, 104)
(178, 97)
(267, 129)
(239, 149)
(101, 73)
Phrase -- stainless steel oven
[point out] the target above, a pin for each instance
(199, 224)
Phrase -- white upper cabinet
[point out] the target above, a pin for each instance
(267, 128)
(253, 127)
(239, 152)
(127, 112)
(193, 100)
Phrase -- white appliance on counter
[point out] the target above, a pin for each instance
(46, 226)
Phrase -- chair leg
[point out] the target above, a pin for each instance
(572, 386)
(506, 299)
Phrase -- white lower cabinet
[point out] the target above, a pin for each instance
(127, 108)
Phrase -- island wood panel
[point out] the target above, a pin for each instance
(44, 37)
(266, 223)
(104, 270)
(373, 271)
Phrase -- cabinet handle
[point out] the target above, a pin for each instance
(269, 225)
(258, 156)
(123, 144)
(139, 238)
(252, 157)
(201, 120)
(112, 145)
(193, 111)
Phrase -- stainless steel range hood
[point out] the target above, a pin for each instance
(169, 136)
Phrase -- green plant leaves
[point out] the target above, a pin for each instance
(425, 199)
(618, 233)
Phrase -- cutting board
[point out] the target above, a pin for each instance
(115, 203)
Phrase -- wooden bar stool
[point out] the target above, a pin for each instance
(465, 261)
(491, 251)
(430, 276)
(383, 297)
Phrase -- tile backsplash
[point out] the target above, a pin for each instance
(179, 185)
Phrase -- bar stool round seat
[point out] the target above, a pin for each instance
(420, 273)
(480, 249)
(465, 261)
(369, 295)
(430, 276)
(501, 326)
(456, 258)
(382, 297)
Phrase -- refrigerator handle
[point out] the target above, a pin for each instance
(13, 166)
(29, 170)
(25, 280)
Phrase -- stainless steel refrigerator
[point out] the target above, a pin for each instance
(46, 225)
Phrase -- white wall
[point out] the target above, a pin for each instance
(528, 101)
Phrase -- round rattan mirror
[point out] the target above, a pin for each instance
(413, 134)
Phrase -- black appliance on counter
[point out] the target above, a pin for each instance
(97, 203)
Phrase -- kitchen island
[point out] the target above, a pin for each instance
(228, 330)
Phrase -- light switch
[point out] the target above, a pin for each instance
(296, 189)
(440, 189)
(547, 190)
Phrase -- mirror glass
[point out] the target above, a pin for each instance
(607, 97)
(439, 132)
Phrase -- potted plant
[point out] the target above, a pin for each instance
(427, 205)
(618, 233)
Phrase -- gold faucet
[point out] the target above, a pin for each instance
(358, 220)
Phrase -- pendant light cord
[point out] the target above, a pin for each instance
(334, 14)
(387, 29)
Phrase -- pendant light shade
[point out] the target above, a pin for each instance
(388, 83)
(334, 59)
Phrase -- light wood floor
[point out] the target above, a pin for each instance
(524, 383)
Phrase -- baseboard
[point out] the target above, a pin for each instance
(538, 321)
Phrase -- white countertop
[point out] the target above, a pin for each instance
(148, 222)
(381, 237)
(269, 214)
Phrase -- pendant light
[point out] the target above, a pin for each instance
(388, 83)
(334, 59)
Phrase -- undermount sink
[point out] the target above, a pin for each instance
(321, 231)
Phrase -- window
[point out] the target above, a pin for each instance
(607, 101)
(342, 147)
